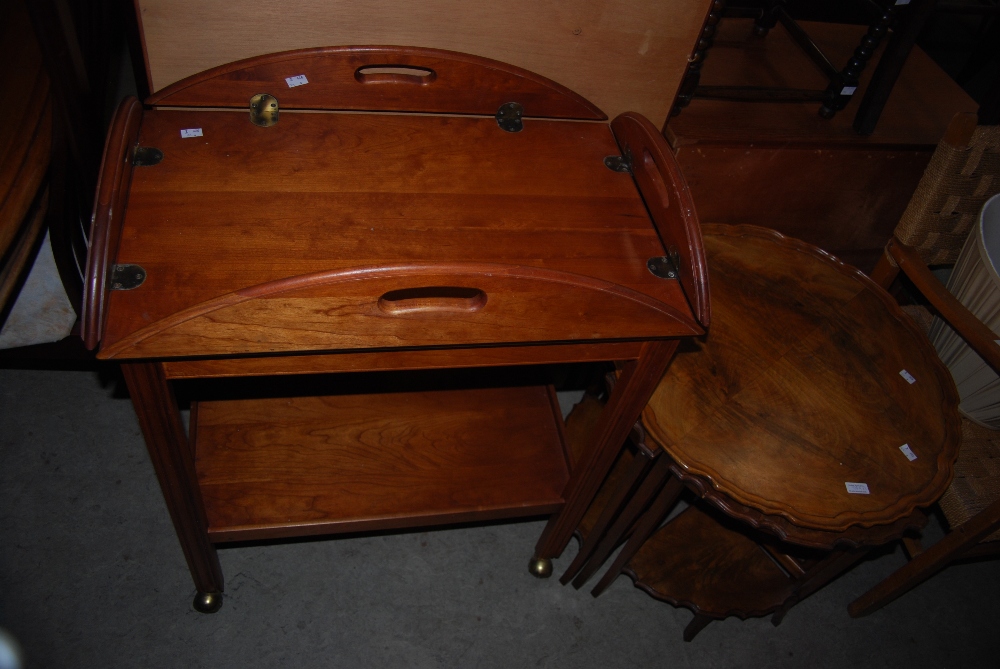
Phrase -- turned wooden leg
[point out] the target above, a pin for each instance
(160, 420)
(644, 528)
(637, 382)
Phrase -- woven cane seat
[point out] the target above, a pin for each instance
(957, 182)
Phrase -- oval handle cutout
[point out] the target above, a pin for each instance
(432, 299)
(653, 174)
(394, 74)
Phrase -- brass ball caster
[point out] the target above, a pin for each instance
(540, 567)
(208, 602)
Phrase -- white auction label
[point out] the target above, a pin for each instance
(857, 488)
(297, 80)
(908, 452)
(906, 375)
(191, 132)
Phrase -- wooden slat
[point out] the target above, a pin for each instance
(310, 465)
(398, 360)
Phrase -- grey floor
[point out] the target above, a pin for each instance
(91, 575)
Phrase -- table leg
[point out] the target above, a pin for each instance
(160, 420)
(819, 575)
(636, 384)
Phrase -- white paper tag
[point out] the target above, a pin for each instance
(906, 375)
(857, 488)
(902, 2)
(848, 90)
(191, 132)
(297, 80)
(908, 452)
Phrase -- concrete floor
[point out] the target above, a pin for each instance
(91, 575)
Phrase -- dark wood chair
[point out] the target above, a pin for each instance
(962, 175)
(903, 20)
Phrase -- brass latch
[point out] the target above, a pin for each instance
(264, 110)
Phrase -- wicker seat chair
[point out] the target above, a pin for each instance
(963, 173)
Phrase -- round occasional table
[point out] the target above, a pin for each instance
(813, 421)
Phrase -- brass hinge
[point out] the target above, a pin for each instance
(665, 267)
(509, 117)
(622, 163)
(143, 156)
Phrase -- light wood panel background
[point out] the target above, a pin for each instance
(621, 55)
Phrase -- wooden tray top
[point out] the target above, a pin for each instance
(345, 230)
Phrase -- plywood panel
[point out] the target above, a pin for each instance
(622, 56)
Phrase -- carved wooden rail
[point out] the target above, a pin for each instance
(109, 214)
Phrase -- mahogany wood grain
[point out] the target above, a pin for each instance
(797, 390)
(173, 461)
(379, 78)
(668, 199)
(361, 241)
(622, 55)
(719, 572)
(427, 358)
(243, 258)
(108, 218)
(342, 310)
(310, 465)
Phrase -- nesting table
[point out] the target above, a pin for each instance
(317, 236)
(812, 422)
